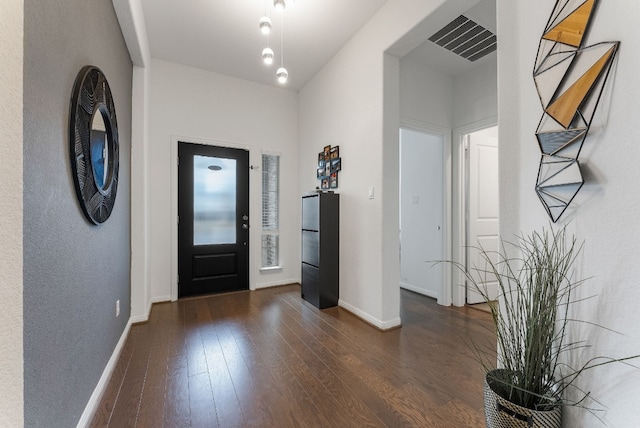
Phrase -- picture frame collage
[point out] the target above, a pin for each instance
(329, 164)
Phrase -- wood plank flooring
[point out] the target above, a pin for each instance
(267, 358)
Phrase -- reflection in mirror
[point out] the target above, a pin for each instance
(99, 150)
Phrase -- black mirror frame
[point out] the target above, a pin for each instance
(91, 95)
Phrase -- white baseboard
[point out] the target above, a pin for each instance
(141, 318)
(145, 317)
(160, 299)
(376, 322)
(98, 392)
(418, 290)
(277, 283)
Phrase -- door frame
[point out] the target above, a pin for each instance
(460, 206)
(254, 232)
(445, 297)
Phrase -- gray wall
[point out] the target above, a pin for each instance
(73, 271)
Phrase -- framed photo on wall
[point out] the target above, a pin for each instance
(329, 164)
(336, 164)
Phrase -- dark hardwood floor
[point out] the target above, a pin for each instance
(267, 358)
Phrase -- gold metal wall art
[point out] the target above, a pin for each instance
(570, 79)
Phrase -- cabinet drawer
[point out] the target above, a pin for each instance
(311, 212)
(311, 247)
(311, 284)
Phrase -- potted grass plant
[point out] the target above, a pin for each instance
(536, 286)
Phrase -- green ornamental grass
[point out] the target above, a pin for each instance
(536, 285)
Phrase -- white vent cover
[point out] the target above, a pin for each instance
(466, 38)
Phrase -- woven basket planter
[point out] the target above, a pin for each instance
(501, 413)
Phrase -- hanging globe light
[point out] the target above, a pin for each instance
(265, 25)
(279, 5)
(282, 75)
(267, 56)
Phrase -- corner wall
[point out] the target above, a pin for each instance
(356, 101)
(604, 213)
(353, 102)
(11, 189)
(73, 272)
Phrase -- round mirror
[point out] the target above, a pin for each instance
(94, 144)
(100, 151)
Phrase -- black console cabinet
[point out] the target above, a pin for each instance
(321, 249)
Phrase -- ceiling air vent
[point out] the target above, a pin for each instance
(466, 38)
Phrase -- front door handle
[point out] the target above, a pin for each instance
(245, 226)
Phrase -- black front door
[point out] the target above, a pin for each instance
(213, 219)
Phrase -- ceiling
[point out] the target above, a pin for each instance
(223, 36)
(436, 57)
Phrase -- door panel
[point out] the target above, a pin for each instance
(483, 207)
(209, 265)
(213, 213)
(421, 212)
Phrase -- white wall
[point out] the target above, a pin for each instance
(431, 97)
(475, 93)
(354, 102)
(131, 18)
(426, 95)
(604, 214)
(198, 106)
(11, 146)
(140, 288)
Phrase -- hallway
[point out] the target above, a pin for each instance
(267, 358)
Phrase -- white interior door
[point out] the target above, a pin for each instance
(421, 211)
(483, 230)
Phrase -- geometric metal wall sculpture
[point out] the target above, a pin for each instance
(570, 80)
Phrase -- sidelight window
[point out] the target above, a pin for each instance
(270, 211)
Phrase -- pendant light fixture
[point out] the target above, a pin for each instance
(280, 5)
(265, 24)
(267, 55)
(282, 73)
(265, 28)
